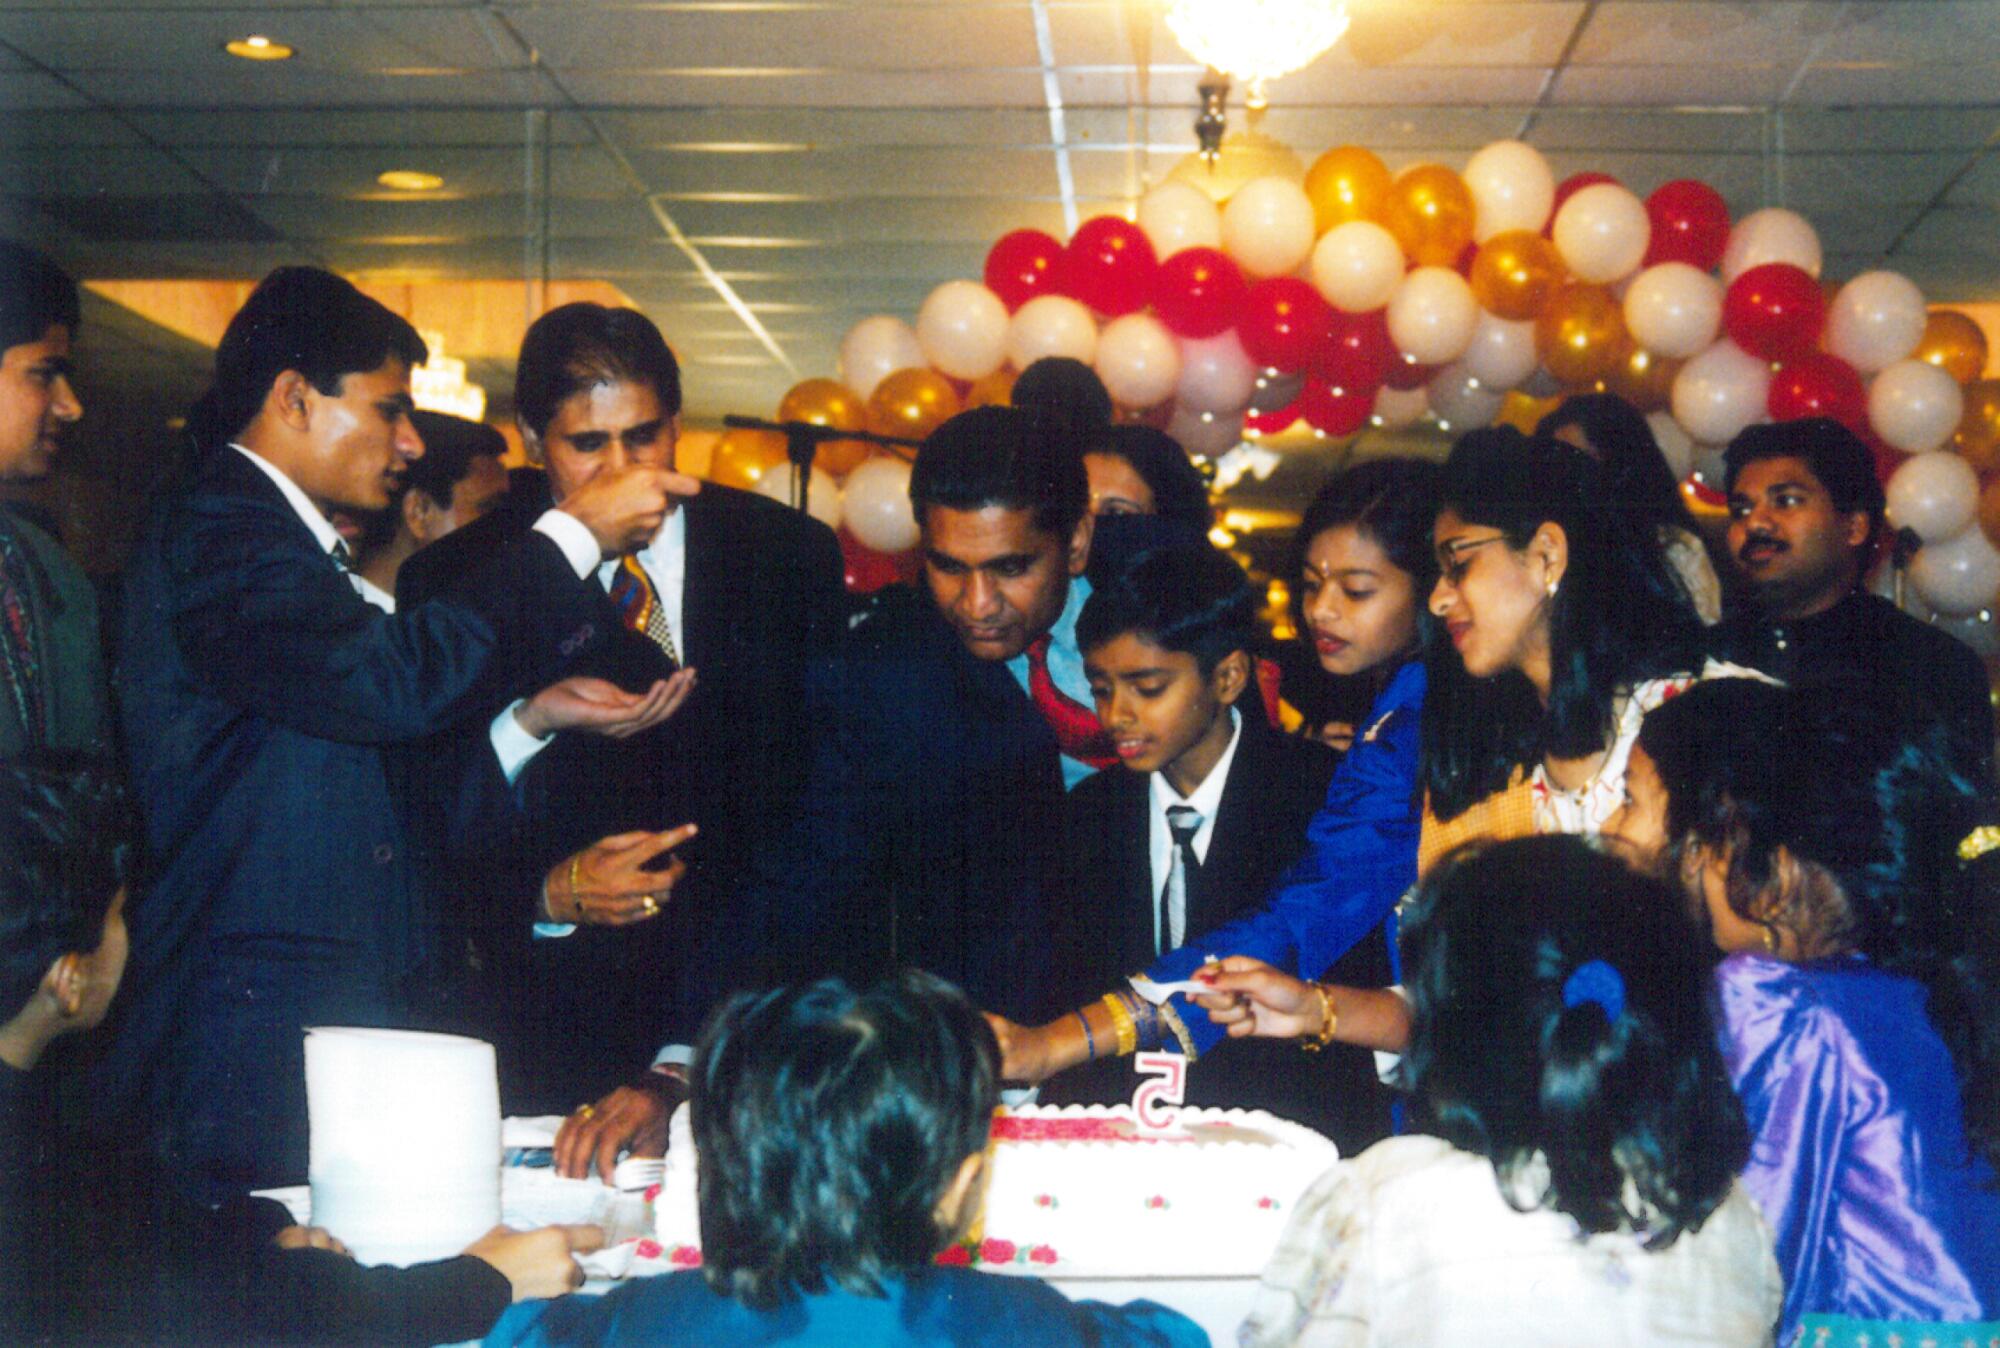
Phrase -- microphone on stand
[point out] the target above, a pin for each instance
(802, 442)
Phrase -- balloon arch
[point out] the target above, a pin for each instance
(1362, 297)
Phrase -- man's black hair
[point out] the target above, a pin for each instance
(35, 295)
(1836, 456)
(1067, 390)
(1006, 457)
(830, 1123)
(303, 319)
(579, 346)
(1190, 599)
(63, 834)
(450, 445)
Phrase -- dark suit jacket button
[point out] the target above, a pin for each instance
(384, 854)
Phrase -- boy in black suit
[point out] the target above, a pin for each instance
(1211, 810)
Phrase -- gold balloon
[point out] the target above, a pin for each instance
(827, 402)
(995, 390)
(1429, 210)
(1581, 334)
(1989, 510)
(1346, 183)
(912, 403)
(1513, 274)
(741, 458)
(1643, 379)
(1978, 434)
(1955, 344)
(1523, 412)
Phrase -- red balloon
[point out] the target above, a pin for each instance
(1199, 293)
(1568, 188)
(1110, 266)
(1466, 256)
(1270, 423)
(1021, 266)
(868, 570)
(1357, 353)
(1405, 374)
(1333, 410)
(1819, 385)
(1774, 311)
(1690, 224)
(1283, 320)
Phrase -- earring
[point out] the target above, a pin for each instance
(1770, 938)
(1553, 584)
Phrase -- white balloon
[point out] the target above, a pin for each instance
(1051, 325)
(1461, 401)
(876, 348)
(823, 494)
(1502, 354)
(962, 329)
(1709, 467)
(1206, 433)
(1138, 360)
(1936, 493)
(1675, 446)
(1432, 315)
(1602, 232)
(876, 505)
(1275, 391)
(1914, 405)
(1959, 576)
(1719, 392)
(1176, 216)
(1770, 235)
(1216, 374)
(1673, 310)
(1396, 408)
(1512, 188)
(1876, 320)
(1356, 266)
(1268, 227)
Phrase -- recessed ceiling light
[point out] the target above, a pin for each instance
(409, 180)
(257, 47)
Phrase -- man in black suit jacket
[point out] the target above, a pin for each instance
(260, 690)
(744, 592)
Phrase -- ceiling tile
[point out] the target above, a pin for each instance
(1699, 32)
(1612, 88)
(666, 86)
(375, 38)
(866, 40)
(245, 87)
(1969, 84)
(837, 174)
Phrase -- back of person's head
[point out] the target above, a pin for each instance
(579, 346)
(1836, 456)
(35, 295)
(1635, 472)
(1618, 616)
(1066, 391)
(302, 319)
(1179, 494)
(1561, 1029)
(1392, 501)
(1846, 830)
(1003, 456)
(1189, 599)
(830, 1124)
(450, 445)
(62, 856)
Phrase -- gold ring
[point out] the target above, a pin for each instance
(585, 1111)
(651, 906)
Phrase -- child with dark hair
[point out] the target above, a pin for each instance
(842, 1138)
(1576, 1180)
(1849, 879)
(95, 1247)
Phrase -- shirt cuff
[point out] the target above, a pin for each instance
(674, 1055)
(553, 931)
(512, 745)
(570, 534)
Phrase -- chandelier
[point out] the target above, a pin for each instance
(1256, 40)
(440, 384)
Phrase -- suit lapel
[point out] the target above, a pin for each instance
(1230, 844)
(701, 625)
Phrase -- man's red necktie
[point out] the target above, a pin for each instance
(1078, 733)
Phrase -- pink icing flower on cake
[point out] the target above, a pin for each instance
(649, 1249)
(954, 1256)
(652, 1192)
(993, 1251)
(1267, 1203)
(1156, 1202)
(1042, 1254)
(1045, 1200)
(685, 1256)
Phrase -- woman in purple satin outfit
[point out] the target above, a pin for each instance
(1859, 989)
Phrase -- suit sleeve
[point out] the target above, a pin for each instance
(274, 628)
(1361, 858)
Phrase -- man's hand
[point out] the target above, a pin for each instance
(601, 707)
(1252, 998)
(1023, 1050)
(624, 508)
(631, 1118)
(310, 1238)
(607, 884)
(538, 1263)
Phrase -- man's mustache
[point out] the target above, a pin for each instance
(1761, 541)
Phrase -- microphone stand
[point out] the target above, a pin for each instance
(802, 442)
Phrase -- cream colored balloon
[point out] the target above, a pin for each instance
(1179, 215)
(1673, 310)
(1770, 235)
(1432, 315)
(876, 505)
(1915, 406)
(1462, 402)
(1357, 266)
(1138, 360)
(1675, 446)
(1876, 320)
(962, 329)
(1217, 375)
(1206, 433)
(1051, 325)
(1719, 392)
(1958, 576)
(1502, 354)
(823, 493)
(1601, 233)
(1935, 493)
(1396, 408)
(1268, 227)
(1512, 188)
(876, 348)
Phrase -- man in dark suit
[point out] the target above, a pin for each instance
(735, 593)
(260, 690)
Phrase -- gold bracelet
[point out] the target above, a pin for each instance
(1121, 1020)
(1328, 1024)
(575, 865)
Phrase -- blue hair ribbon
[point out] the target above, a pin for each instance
(1596, 982)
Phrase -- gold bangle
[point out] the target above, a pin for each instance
(1121, 1020)
(575, 865)
(1328, 1024)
